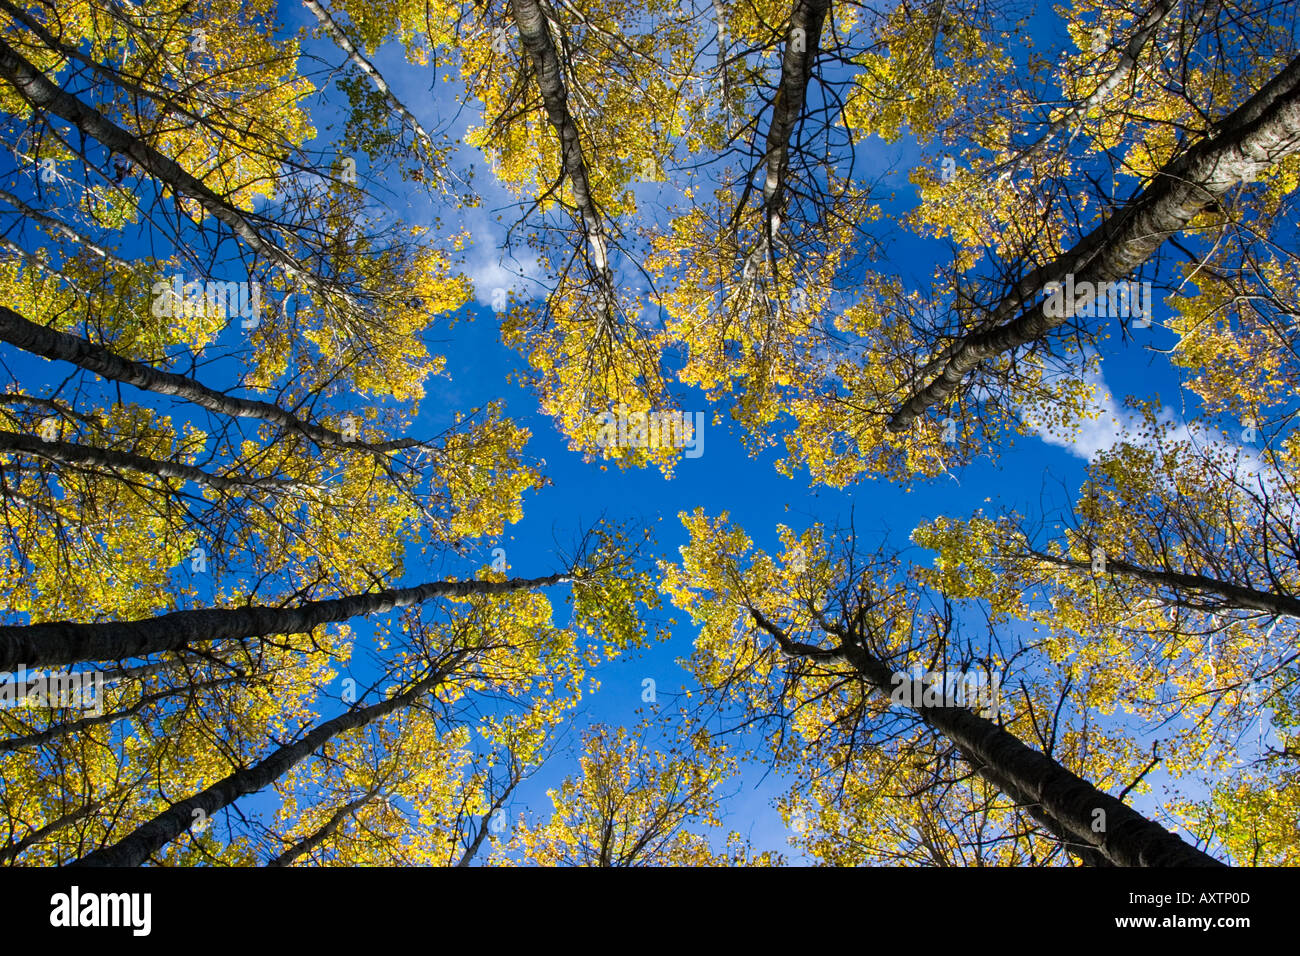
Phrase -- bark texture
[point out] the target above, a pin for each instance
(1032, 779)
(535, 33)
(35, 87)
(69, 453)
(803, 42)
(57, 643)
(53, 344)
(1255, 136)
(137, 847)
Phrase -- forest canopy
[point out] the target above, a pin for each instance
(568, 433)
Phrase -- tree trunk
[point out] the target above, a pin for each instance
(53, 344)
(317, 837)
(480, 835)
(10, 744)
(535, 33)
(58, 643)
(136, 848)
(11, 850)
(1127, 838)
(1259, 133)
(806, 22)
(120, 461)
(1233, 595)
(1030, 778)
(37, 89)
(344, 43)
(1127, 61)
(55, 227)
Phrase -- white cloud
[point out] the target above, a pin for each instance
(1111, 424)
(490, 269)
(439, 111)
(1107, 425)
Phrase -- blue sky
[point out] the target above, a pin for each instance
(725, 477)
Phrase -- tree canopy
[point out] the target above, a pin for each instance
(345, 344)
